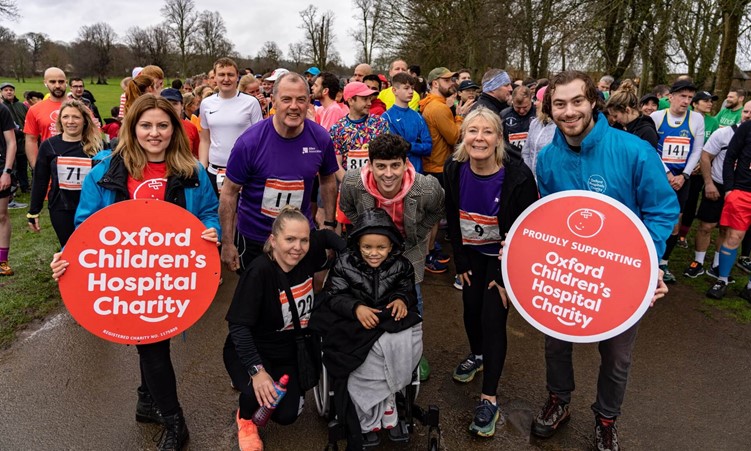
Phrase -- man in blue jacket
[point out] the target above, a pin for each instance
(588, 154)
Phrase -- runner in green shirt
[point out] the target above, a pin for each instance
(702, 103)
(731, 114)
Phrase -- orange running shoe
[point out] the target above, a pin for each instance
(5, 269)
(247, 435)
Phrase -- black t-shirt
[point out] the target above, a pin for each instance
(736, 170)
(47, 169)
(6, 123)
(261, 304)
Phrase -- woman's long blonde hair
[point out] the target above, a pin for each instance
(180, 161)
(461, 153)
(91, 139)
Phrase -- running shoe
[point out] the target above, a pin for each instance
(247, 435)
(667, 276)
(694, 270)
(718, 290)
(606, 434)
(553, 415)
(13, 205)
(5, 269)
(714, 272)
(486, 416)
(440, 256)
(458, 282)
(682, 243)
(466, 370)
(745, 293)
(744, 263)
(434, 266)
(390, 417)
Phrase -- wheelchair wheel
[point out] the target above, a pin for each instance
(321, 393)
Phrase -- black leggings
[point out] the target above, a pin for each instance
(158, 376)
(62, 222)
(485, 318)
(287, 410)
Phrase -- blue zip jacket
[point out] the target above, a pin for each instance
(107, 183)
(408, 124)
(619, 165)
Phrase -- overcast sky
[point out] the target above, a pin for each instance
(249, 23)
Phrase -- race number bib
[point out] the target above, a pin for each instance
(303, 294)
(518, 139)
(278, 193)
(221, 174)
(478, 229)
(357, 158)
(71, 171)
(675, 149)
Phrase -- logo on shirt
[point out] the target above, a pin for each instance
(212, 112)
(597, 183)
(307, 150)
(511, 121)
(685, 134)
(150, 189)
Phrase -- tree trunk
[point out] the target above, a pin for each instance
(732, 13)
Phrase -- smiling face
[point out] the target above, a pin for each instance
(374, 248)
(388, 175)
(154, 133)
(291, 104)
(481, 140)
(72, 121)
(291, 243)
(359, 106)
(571, 111)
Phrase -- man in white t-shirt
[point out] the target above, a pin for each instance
(713, 197)
(224, 117)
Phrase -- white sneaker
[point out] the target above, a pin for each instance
(458, 283)
(390, 417)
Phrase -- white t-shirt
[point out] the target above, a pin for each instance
(717, 145)
(226, 120)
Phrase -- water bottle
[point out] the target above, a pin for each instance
(262, 415)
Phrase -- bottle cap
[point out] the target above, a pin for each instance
(284, 380)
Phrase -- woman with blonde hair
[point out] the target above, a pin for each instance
(623, 108)
(137, 87)
(153, 152)
(63, 162)
(485, 192)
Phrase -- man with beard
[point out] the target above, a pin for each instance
(731, 114)
(496, 91)
(582, 156)
(325, 89)
(40, 120)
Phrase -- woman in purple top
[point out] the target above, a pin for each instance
(485, 193)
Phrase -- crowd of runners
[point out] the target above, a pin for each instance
(281, 167)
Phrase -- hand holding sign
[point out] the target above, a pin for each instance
(137, 272)
(580, 266)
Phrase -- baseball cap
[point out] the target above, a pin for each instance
(357, 88)
(439, 72)
(468, 84)
(7, 84)
(136, 71)
(701, 95)
(276, 74)
(649, 97)
(172, 94)
(681, 85)
(314, 71)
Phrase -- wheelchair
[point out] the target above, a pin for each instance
(409, 413)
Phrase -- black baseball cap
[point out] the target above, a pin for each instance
(468, 84)
(703, 95)
(172, 94)
(682, 85)
(649, 97)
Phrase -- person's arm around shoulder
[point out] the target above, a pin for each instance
(349, 196)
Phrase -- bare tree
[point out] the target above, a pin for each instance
(732, 15)
(36, 43)
(296, 53)
(319, 35)
(697, 37)
(368, 35)
(8, 9)
(271, 54)
(181, 18)
(210, 40)
(94, 45)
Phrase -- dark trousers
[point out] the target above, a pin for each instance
(485, 318)
(22, 167)
(615, 355)
(63, 223)
(158, 376)
(692, 202)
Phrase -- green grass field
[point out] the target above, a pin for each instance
(106, 96)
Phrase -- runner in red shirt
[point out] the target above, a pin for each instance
(176, 99)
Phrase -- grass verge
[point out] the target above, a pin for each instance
(31, 293)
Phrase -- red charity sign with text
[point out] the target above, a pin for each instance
(580, 266)
(139, 272)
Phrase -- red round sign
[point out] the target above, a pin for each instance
(139, 272)
(580, 266)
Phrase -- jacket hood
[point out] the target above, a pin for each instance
(376, 220)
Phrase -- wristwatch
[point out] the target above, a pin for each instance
(8, 170)
(685, 176)
(255, 369)
(330, 223)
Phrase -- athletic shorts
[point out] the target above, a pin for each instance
(736, 213)
(13, 182)
(711, 210)
(683, 193)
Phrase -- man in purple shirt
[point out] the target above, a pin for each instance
(275, 162)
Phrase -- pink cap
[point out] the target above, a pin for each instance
(357, 88)
(540, 93)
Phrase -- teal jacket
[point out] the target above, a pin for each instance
(618, 165)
